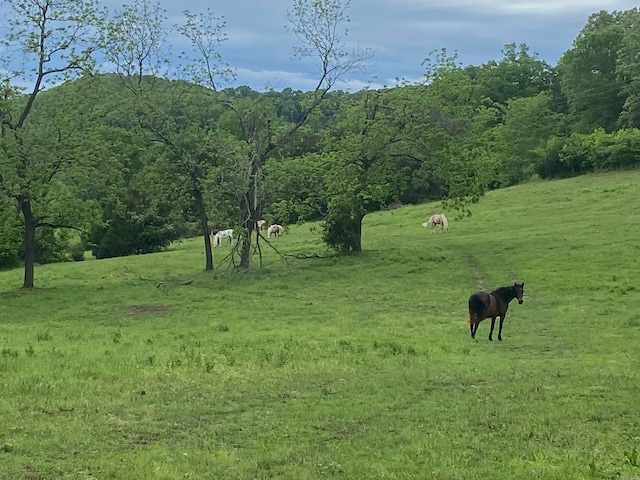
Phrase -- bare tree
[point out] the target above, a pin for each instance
(320, 27)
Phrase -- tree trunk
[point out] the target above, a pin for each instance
(245, 252)
(247, 240)
(357, 237)
(204, 227)
(251, 206)
(30, 224)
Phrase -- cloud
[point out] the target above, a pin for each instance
(401, 33)
(536, 7)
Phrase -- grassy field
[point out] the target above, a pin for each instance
(350, 368)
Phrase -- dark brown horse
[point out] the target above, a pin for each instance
(492, 305)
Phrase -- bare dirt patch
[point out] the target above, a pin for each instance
(147, 308)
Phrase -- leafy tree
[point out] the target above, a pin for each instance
(295, 190)
(411, 134)
(10, 233)
(600, 150)
(362, 174)
(588, 73)
(521, 140)
(38, 154)
(447, 123)
(120, 173)
(628, 69)
(141, 210)
(550, 165)
(180, 118)
(519, 74)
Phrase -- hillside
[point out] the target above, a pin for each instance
(353, 367)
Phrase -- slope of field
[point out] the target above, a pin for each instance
(359, 367)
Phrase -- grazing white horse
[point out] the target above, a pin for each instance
(262, 224)
(275, 229)
(435, 220)
(217, 238)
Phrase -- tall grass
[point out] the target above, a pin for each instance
(356, 367)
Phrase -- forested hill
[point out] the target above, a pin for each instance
(134, 163)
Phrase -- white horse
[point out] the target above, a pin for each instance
(262, 224)
(435, 220)
(275, 229)
(217, 238)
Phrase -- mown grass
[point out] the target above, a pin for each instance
(359, 367)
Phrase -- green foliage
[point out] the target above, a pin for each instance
(518, 74)
(342, 229)
(295, 190)
(51, 246)
(10, 234)
(601, 151)
(550, 164)
(628, 70)
(454, 151)
(76, 251)
(522, 138)
(131, 234)
(588, 73)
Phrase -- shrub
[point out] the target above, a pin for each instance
(131, 234)
(76, 251)
(341, 230)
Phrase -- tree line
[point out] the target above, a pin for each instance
(126, 162)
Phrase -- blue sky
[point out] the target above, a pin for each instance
(401, 34)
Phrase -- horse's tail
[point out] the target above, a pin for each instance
(476, 307)
(425, 224)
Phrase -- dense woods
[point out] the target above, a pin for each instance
(126, 162)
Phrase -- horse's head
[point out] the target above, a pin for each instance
(519, 288)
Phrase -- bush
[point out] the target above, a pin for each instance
(50, 248)
(76, 251)
(10, 239)
(599, 150)
(341, 230)
(131, 234)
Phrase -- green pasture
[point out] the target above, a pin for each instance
(357, 367)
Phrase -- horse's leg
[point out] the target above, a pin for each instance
(493, 323)
(500, 329)
(473, 330)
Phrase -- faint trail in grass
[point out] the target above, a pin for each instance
(480, 276)
(513, 277)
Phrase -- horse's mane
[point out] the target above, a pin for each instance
(502, 290)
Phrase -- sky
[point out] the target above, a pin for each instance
(400, 33)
